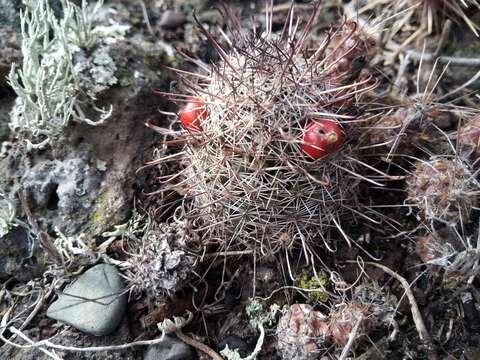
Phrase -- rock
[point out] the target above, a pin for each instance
(171, 20)
(9, 51)
(235, 342)
(9, 15)
(101, 317)
(122, 143)
(17, 250)
(57, 189)
(89, 171)
(6, 105)
(171, 348)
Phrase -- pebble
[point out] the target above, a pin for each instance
(17, 250)
(101, 283)
(171, 20)
(171, 348)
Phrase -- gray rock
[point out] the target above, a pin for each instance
(9, 15)
(17, 249)
(9, 51)
(171, 20)
(103, 286)
(57, 189)
(171, 348)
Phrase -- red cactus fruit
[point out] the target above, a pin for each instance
(322, 137)
(192, 115)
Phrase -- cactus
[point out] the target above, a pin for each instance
(443, 189)
(248, 177)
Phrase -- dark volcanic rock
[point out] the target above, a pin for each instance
(171, 348)
(17, 255)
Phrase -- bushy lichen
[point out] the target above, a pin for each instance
(49, 84)
(7, 213)
(260, 314)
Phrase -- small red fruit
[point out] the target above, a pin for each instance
(322, 137)
(192, 115)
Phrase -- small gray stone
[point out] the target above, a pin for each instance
(171, 348)
(171, 20)
(102, 285)
(17, 250)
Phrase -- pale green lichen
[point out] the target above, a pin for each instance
(258, 313)
(49, 84)
(7, 213)
(260, 316)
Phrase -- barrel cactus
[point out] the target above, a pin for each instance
(271, 154)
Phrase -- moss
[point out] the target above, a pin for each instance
(309, 281)
(107, 210)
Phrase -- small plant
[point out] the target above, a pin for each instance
(301, 332)
(260, 317)
(468, 137)
(259, 314)
(158, 264)
(443, 189)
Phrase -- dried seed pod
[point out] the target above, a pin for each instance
(347, 53)
(387, 128)
(301, 332)
(443, 189)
